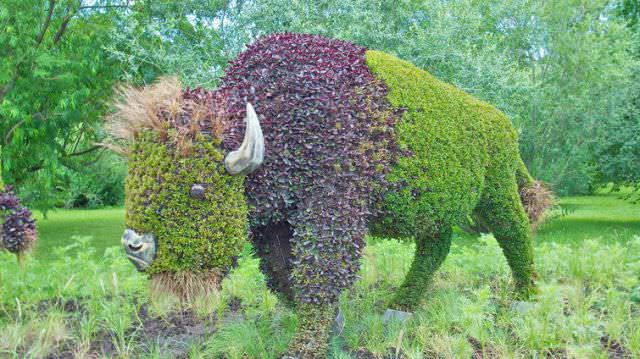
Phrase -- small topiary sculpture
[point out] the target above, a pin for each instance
(18, 234)
(342, 141)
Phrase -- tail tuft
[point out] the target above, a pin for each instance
(536, 199)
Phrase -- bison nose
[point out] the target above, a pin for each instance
(140, 249)
(131, 241)
(135, 246)
(128, 235)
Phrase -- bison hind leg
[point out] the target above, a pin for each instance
(505, 216)
(272, 244)
(432, 248)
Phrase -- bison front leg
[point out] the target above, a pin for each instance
(314, 327)
(324, 265)
(432, 248)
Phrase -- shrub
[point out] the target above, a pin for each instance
(99, 185)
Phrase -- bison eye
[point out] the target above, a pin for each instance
(197, 191)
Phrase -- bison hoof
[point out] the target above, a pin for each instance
(396, 315)
(338, 324)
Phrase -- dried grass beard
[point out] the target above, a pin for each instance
(187, 285)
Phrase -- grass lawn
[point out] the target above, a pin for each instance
(86, 300)
(104, 226)
(603, 216)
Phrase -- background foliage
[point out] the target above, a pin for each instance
(566, 72)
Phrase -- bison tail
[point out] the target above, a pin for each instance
(536, 197)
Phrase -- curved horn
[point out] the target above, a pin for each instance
(249, 155)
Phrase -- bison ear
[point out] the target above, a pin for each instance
(250, 154)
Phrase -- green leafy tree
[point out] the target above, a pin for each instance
(618, 156)
(61, 60)
(54, 79)
(184, 38)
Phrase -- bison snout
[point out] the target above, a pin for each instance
(140, 249)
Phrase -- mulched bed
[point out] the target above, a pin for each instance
(177, 332)
(480, 351)
(174, 334)
(614, 348)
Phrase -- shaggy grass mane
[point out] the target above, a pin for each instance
(164, 107)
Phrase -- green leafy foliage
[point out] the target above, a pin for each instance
(154, 38)
(54, 80)
(61, 60)
(96, 186)
(464, 159)
(192, 234)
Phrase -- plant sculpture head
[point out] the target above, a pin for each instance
(186, 214)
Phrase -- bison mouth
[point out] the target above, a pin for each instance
(140, 249)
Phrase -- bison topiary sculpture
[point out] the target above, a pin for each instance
(336, 141)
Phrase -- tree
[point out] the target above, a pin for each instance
(61, 60)
(54, 80)
(184, 38)
(618, 156)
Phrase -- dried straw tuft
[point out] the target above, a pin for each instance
(140, 108)
(536, 199)
(187, 285)
(160, 107)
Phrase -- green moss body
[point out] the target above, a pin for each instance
(192, 234)
(463, 161)
(454, 140)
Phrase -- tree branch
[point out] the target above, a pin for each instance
(63, 27)
(47, 21)
(70, 13)
(13, 128)
(90, 7)
(10, 84)
(84, 152)
(7, 137)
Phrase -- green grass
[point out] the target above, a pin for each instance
(104, 226)
(589, 275)
(603, 216)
